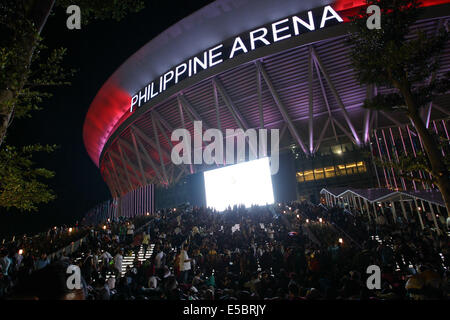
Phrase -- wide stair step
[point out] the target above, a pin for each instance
(129, 260)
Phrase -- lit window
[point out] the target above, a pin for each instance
(300, 177)
(309, 176)
(362, 166)
(341, 170)
(319, 174)
(336, 149)
(329, 172)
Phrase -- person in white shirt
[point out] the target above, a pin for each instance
(167, 273)
(130, 232)
(270, 233)
(18, 257)
(106, 257)
(185, 264)
(153, 282)
(118, 261)
(111, 283)
(159, 259)
(5, 262)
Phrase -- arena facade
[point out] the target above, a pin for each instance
(254, 64)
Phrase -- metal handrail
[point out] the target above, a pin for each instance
(346, 235)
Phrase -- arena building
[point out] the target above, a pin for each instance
(254, 64)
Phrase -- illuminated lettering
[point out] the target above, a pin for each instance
(203, 64)
(279, 30)
(325, 16)
(178, 73)
(133, 102)
(238, 45)
(212, 56)
(276, 31)
(261, 37)
(310, 26)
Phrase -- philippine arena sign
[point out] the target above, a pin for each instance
(293, 26)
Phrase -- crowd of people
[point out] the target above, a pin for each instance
(295, 251)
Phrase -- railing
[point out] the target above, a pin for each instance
(142, 227)
(311, 235)
(71, 248)
(75, 245)
(339, 229)
(345, 234)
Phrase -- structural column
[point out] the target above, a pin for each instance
(394, 215)
(423, 205)
(418, 213)
(354, 202)
(360, 205)
(368, 209)
(375, 210)
(403, 210)
(434, 218)
(382, 209)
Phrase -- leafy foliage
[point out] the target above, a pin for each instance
(20, 184)
(46, 71)
(408, 164)
(28, 70)
(397, 56)
(18, 36)
(404, 60)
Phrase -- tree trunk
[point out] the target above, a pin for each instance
(38, 12)
(438, 167)
(5, 113)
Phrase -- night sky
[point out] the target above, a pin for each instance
(96, 51)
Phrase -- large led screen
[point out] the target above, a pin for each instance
(248, 183)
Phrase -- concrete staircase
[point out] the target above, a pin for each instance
(129, 260)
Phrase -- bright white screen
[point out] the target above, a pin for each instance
(248, 183)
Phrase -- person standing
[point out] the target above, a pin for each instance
(42, 262)
(145, 242)
(130, 232)
(122, 232)
(118, 261)
(88, 266)
(185, 264)
(5, 262)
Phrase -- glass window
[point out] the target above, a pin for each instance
(336, 149)
(329, 172)
(300, 177)
(319, 174)
(361, 166)
(309, 175)
(340, 170)
(351, 168)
